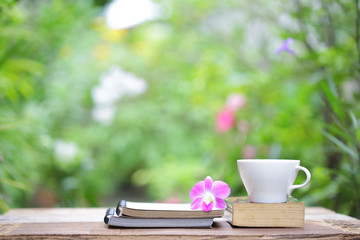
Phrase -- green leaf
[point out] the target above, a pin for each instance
(14, 183)
(354, 120)
(3, 206)
(339, 132)
(7, 126)
(332, 86)
(26, 65)
(332, 97)
(342, 146)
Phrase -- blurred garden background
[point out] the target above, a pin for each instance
(139, 100)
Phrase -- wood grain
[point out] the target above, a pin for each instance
(65, 223)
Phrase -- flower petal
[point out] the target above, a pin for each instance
(289, 41)
(220, 189)
(208, 184)
(225, 120)
(235, 101)
(220, 203)
(207, 207)
(198, 190)
(196, 203)
(285, 47)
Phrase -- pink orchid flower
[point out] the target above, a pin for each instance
(225, 120)
(208, 194)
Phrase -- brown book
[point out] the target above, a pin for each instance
(163, 210)
(240, 212)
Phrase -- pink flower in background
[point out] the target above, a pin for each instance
(249, 152)
(235, 101)
(225, 120)
(208, 194)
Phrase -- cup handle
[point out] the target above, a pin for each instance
(308, 177)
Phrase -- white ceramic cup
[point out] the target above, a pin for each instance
(270, 180)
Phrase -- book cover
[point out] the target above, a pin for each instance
(163, 210)
(240, 212)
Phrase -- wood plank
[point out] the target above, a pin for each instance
(39, 215)
(220, 230)
(62, 224)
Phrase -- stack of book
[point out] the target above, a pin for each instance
(241, 212)
(159, 215)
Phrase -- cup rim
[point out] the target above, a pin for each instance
(268, 160)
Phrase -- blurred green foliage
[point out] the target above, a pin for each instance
(160, 143)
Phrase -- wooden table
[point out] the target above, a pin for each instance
(87, 223)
